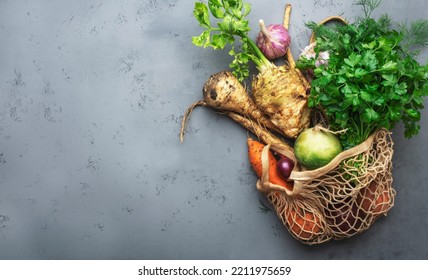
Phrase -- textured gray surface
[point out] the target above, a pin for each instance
(92, 95)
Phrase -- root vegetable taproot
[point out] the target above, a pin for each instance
(263, 134)
(286, 103)
(223, 92)
(303, 223)
(282, 93)
(366, 199)
(255, 150)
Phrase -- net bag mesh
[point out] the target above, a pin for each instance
(339, 200)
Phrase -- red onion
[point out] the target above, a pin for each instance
(284, 166)
(273, 40)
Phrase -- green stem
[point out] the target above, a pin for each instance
(261, 61)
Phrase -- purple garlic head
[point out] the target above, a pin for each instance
(273, 40)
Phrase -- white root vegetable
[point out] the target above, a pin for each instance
(223, 92)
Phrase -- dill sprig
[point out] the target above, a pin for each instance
(368, 6)
(415, 36)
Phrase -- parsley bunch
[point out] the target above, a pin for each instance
(231, 22)
(372, 79)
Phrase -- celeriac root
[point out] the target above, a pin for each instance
(282, 93)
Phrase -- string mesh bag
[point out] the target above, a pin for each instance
(339, 200)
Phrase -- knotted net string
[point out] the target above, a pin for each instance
(338, 200)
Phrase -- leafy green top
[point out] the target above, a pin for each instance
(231, 16)
(372, 79)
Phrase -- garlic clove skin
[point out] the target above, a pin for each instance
(322, 59)
(273, 40)
(309, 53)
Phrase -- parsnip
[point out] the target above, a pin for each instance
(223, 92)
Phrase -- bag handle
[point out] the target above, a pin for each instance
(326, 20)
(312, 174)
(264, 186)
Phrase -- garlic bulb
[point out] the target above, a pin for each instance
(273, 40)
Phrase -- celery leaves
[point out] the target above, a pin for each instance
(231, 22)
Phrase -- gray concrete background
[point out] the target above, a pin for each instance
(92, 96)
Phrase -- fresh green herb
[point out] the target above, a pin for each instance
(415, 36)
(372, 79)
(368, 6)
(231, 23)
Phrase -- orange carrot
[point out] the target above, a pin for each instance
(303, 223)
(255, 149)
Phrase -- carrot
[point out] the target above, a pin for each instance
(255, 149)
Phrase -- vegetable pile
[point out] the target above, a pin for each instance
(279, 92)
(324, 150)
(372, 79)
